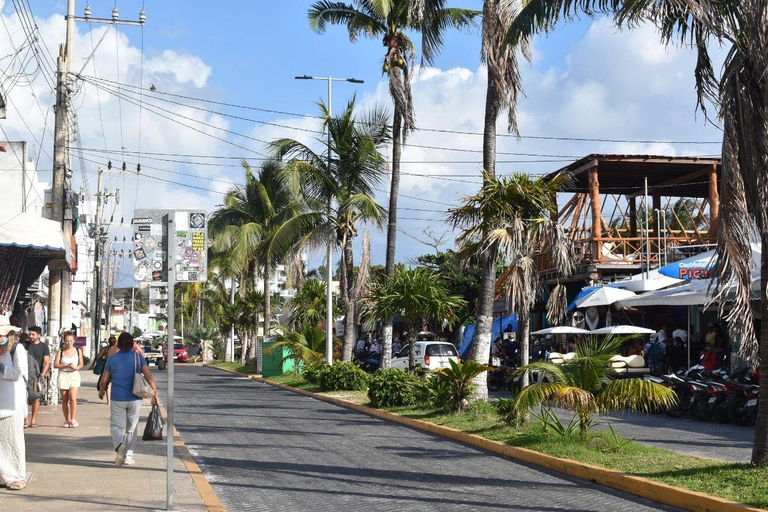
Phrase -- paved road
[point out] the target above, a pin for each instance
(683, 435)
(263, 448)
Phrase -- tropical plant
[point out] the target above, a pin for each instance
(261, 221)
(454, 386)
(342, 376)
(390, 20)
(200, 333)
(304, 346)
(392, 387)
(413, 295)
(740, 93)
(342, 194)
(587, 385)
(308, 306)
(311, 371)
(510, 217)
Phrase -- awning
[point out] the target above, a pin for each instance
(42, 237)
(691, 293)
(703, 266)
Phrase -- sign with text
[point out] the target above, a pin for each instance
(151, 241)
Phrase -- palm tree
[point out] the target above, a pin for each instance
(389, 20)
(510, 216)
(413, 295)
(740, 92)
(587, 385)
(342, 195)
(260, 223)
(309, 305)
(305, 345)
(502, 89)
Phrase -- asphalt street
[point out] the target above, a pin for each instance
(263, 448)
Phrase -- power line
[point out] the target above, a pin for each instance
(435, 130)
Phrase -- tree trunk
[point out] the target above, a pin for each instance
(411, 347)
(397, 148)
(524, 322)
(760, 448)
(349, 317)
(481, 345)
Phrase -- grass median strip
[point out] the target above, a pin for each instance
(742, 483)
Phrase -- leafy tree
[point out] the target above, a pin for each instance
(413, 295)
(309, 304)
(740, 92)
(510, 217)
(261, 221)
(461, 277)
(586, 384)
(343, 195)
(391, 20)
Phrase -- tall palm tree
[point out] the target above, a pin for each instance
(413, 295)
(502, 89)
(308, 305)
(510, 216)
(390, 20)
(260, 223)
(348, 186)
(741, 93)
(587, 385)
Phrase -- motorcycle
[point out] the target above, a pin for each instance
(742, 405)
(369, 362)
(500, 376)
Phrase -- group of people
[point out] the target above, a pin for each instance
(23, 371)
(667, 350)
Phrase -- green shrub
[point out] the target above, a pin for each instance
(508, 412)
(452, 387)
(346, 376)
(311, 371)
(394, 388)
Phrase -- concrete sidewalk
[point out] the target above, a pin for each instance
(72, 469)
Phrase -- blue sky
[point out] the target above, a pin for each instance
(586, 80)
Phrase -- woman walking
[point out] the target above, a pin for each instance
(68, 361)
(121, 370)
(13, 408)
(107, 351)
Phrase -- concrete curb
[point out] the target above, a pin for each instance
(207, 494)
(649, 489)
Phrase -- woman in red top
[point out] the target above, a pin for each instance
(708, 357)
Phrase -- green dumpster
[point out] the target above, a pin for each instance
(273, 363)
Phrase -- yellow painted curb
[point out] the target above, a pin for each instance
(207, 494)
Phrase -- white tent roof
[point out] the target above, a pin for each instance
(27, 230)
(561, 329)
(603, 296)
(623, 329)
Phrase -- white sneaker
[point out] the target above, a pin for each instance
(129, 461)
(120, 457)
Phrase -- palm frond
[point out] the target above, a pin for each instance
(636, 395)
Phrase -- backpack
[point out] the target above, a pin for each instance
(33, 377)
(656, 353)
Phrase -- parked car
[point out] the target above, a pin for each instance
(180, 353)
(431, 355)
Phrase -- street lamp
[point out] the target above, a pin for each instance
(329, 249)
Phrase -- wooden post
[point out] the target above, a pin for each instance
(597, 220)
(554, 214)
(632, 217)
(714, 203)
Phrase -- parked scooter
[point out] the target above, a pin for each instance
(742, 405)
(369, 362)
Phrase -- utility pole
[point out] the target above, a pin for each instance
(60, 280)
(329, 248)
(96, 290)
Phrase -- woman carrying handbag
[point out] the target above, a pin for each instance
(131, 382)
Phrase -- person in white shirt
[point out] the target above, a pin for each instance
(13, 407)
(662, 334)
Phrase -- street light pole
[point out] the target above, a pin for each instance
(329, 249)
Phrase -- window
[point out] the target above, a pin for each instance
(178, 346)
(441, 350)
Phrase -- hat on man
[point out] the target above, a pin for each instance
(6, 327)
(654, 337)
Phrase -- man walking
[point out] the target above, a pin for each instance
(39, 362)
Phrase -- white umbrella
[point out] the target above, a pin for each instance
(562, 329)
(603, 296)
(623, 329)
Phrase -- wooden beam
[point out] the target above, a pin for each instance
(597, 217)
(676, 181)
(714, 203)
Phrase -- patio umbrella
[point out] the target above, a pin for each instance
(603, 296)
(623, 329)
(561, 329)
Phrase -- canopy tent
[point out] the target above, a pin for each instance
(623, 329)
(561, 329)
(690, 293)
(500, 324)
(602, 296)
(588, 291)
(702, 266)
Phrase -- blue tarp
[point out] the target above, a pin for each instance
(499, 325)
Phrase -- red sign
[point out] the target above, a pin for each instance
(80, 341)
(696, 273)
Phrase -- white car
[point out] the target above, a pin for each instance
(431, 355)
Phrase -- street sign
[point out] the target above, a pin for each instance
(189, 247)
